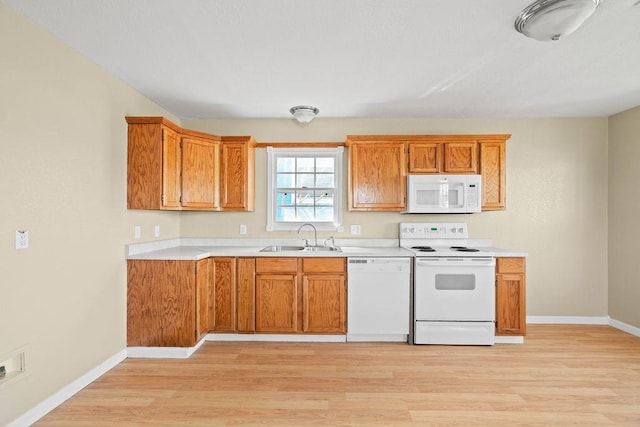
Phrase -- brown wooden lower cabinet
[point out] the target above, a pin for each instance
(510, 296)
(246, 284)
(175, 303)
(165, 302)
(222, 295)
(300, 295)
(324, 299)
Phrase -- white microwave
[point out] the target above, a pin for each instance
(443, 193)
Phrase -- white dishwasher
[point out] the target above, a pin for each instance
(378, 299)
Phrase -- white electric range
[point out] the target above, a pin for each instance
(453, 284)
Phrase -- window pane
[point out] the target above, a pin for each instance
(324, 213)
(324, 164)
(285, 198)
(324, 198)
(304, 198)
(286, 180)
(285, 214)
(305, 180)
(286, 164)
(325, 181)
(305, 164)
(305, 214)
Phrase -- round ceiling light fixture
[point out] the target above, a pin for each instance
(304, 113)
(547, 20)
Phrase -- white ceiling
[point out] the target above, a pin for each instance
(353, 58)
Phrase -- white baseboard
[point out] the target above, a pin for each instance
(276, 337)
(163, 352)
(505, 339)
(625, 327)
(570, 320)
(585, 320)
(377, 338)
(56, 399)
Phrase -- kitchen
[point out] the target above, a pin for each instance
(570, 206)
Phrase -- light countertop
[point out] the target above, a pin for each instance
(196, 249)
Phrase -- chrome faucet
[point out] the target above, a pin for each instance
(315, 232)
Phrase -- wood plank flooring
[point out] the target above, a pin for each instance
(562, 375)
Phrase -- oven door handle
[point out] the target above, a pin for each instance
(455, 262)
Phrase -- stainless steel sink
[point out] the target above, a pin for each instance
(321, 249)
(282, 249)
(300, 249)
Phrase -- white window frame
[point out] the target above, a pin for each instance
(272, 154)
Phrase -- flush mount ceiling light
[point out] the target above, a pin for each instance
(547, 20)
(304, 113)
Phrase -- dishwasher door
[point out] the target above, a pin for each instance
(378, 299)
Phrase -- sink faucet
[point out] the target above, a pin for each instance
(315, 232)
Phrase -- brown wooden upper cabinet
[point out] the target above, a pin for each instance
(377, 174)
(493, 171)
(172, 168)
(237, 183)
(377, 171)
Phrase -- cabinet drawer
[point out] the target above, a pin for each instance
(276, 265)
(323, 265)
(510, 265)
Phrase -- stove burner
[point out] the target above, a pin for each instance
(423, 248)
(464, 249)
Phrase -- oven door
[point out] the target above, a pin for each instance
(454, 289)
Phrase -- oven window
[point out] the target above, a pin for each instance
(455, 282)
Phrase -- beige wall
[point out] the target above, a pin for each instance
(63, 178)
(624, 206)
(556, 195)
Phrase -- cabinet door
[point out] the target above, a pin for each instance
(222, 298)
(276, 303)
(324, 303)
(236, 179)
(161, 303)
(204, 269)
(144, 166)
(510, 296)
(246, 276)
(171, 165)
(424, 157)
(377, 177)
(460, 157)
(200, 164)
(493, 171)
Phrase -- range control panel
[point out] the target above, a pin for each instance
(433, 230)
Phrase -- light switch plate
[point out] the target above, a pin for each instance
(22, 239)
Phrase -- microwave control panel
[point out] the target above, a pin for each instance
(433, 230)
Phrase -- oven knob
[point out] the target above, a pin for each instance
(453, 230)
(461, 230)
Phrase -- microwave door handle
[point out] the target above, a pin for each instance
(459, 189)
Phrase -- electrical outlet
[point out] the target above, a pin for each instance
(137, 232)
(355, 229)
(22, 239)
(243, 229)
(156, 231)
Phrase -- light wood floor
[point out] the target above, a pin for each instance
(562, 375)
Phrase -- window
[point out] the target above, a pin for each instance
(305, 186)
